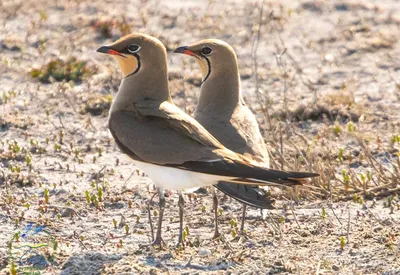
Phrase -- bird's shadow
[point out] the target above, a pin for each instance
(176, 266)
(88, 263)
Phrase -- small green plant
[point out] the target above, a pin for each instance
(184, 234)
(87, 196)
(363, 178)
(15, 168)
(126, 229)
(57, 147)
(100, 193)
(94, 200)
(43, 16)
(59, 70)
(350, 127)
(46, 196)
(97, 105)
(346, 179)
(342, 243)
(106, 27)
(13, 269)
(28, 159)
(14, 147)
(55, 245)
(337, 129)
(358, 199)
(395, 139)
(369, 176)
(76, 152)
(187, 230)
(323, 214)
(234, 232)
(341, 154)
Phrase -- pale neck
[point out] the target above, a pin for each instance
(147, 83)
(220, 93)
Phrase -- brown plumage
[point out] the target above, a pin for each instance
(170, 146)
(223, 112)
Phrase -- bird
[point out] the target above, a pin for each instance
(223, 112)
(171, 147)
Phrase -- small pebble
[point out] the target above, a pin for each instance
(204, 252)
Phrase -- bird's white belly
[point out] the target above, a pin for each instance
(177, 179)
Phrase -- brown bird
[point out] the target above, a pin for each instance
(223, 112)
(170, 146)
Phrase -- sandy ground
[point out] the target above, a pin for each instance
(333, 92)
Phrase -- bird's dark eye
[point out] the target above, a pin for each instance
(206, 50)
(133, 48)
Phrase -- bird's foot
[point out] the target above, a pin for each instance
(180, 245)
(217, 235)
(158, 242)
(242, 235)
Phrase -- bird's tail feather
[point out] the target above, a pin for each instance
(249, 174)
(250, 195)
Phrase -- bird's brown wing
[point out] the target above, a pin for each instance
(161, 133)
(152, 139)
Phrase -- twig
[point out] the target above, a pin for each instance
(281, 144)
(222, 238)
(189, 261)
(255, 64)
(382, 190)
(59, 118)
(330, 206)
(62, 90)
(275, 226)
(318, 267)
(129, 177)
(294, 214)
(348, 228)
(79, 240)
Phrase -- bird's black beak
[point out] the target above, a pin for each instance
(184, 50)
(108, 50)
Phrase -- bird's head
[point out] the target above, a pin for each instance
(136, 52)
(212, 55)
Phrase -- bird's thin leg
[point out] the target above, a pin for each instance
(159, 241)
(215, 207)
(150, 220)
(181, 204)
(243, 218)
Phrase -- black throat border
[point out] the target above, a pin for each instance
(209, 69)
(138, 66)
